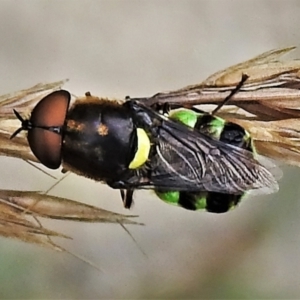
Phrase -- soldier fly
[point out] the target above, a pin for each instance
(131, 145)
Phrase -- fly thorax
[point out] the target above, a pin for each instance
(100, 140)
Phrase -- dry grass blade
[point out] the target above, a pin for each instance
(272, 87)
(268, 102)
(19, 213)
(260, 68)
(23, 99)
(37, 204)
(14, 224)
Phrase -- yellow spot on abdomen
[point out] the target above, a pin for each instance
(143, 149)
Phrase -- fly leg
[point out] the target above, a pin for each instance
(127, 197)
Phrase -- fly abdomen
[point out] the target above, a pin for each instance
(219, 129)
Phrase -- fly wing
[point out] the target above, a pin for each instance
(189, 160)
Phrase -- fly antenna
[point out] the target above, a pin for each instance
(27, 125)
(233, 92)
(24, 125)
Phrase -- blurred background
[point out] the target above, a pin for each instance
(117, 48)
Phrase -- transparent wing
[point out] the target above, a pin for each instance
(186, 159)
(189, 160)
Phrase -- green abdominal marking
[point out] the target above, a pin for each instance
(221, 130)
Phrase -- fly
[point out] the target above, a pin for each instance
(131, 145)
(190, 158)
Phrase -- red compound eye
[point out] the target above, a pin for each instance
(49, 113)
